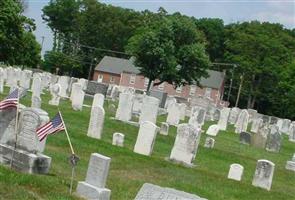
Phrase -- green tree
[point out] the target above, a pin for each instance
(18, 45)
(170, 50)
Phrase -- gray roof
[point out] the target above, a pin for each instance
(118, 65)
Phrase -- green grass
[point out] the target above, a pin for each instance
(130, 170)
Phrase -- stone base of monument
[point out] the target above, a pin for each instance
(24, 161)
(191, 165)
(90, 192)
(290, 165)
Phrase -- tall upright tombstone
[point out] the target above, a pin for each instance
(149, 109)
(98, 100)
(242, 122)
(274, 138)
(36, 86)
(173, 116)
(224, 115)
(7, 125)
(286, 125)
(146, 138)
(96, 122)
(25, 80)
(256, 124)
(64, 82)
(55, 93)
(182, 111)
(36, 102)
(1, 80)
(124, 110)
(263, 174)
(94, 185)
(197, 117)
(78, 96)
(292, 132)
(234, 114)
(186, 144)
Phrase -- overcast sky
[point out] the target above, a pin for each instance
(281, 11)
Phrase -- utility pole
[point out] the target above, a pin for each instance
(240, 89)
(42, 42)
(90, 68)
(231, 82)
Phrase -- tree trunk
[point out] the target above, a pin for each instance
(149, 87)
(54, 41)
(253, 102)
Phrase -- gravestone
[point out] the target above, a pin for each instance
(162, 96)
(137, 104)
(98, 100)
(25, 81)
(186, 144)
(234, 113)
(170, 101)
(83, 82)
(291, 164)
(94, 87)
(78, 97)
(242, 122)
(124, 111)
(94, 185)
(235, 172)
(245, 138)
(286, 125)
(216, 115)
(36, 87)
(36, 102)
(213, 130)
(28, 155)
(256, 124)
(274, 138)
(182, 111)
(114, 92)
(263, 174)
(197, 117)
(224, 115)
(146, 138)
(173, 116)
(118, 139)
(259, 139)
(55, 93)
(7, 125)
(292, 132)
(164, 130)
(149, 109)
(72, 81)
(64, 83)
(153, 192)
(252, 113)
(209, 142)
(96, 122)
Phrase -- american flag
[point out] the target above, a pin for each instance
(10, 101)
(53, 126)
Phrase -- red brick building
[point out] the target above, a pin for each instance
(122, 72)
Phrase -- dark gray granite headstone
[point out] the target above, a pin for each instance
(245, 138)
(162, 96)
(94, 87)
(153, 192)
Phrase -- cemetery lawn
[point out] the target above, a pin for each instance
(129, 171)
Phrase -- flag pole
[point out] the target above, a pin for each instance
(15, 128)
(73, 158)
(66, 132)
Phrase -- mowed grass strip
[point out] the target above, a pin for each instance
(130, 170)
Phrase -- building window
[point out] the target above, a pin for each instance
(161, 86)
(192, 90)
(208, 92)
(132, 79)
(146, 82)
(112, 79)
(99, 78)
(179, 89)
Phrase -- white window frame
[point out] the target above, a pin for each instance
(132, 79)
(208, 92)
(161, 86)
(192, 90)
(100, 77)
(179, 89)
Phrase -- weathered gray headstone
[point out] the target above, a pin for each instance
(94, 185)
(55, 93)
(245, 138)
(36, 86)
(1, 80)
(118, 139)
(149, 109)
(291, 164)
(153, 192)
(256, 124)
(162, 96)
(36, 102)
(235, 172)
(242, 122)
(274, 138)
(186, 144)
(164, 129)
(146, 138)
(64, 82)
(96, 122)
(173, 116)
(98, 100)
(124, 111)
(224, 115)
(213, 130)
(292, 132)
(259, 139)
(78, 96)
(209, 142)
(94, 87)
(263, 174)
(234, 114)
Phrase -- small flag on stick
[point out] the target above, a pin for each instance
(10, 101)
(53, 126)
